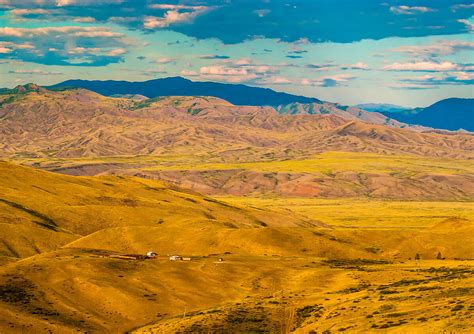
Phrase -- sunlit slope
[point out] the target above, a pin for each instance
(41, 211)
(74, 289)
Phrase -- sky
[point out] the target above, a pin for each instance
(405, 52)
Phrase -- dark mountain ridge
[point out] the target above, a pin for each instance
(449, 114)
(178, 86)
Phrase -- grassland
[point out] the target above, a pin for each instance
(290, 264)
(331, 162)
(327, 162)
(361, 213)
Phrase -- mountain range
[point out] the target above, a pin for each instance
(450, 114)
(178, 86)
(213, 145)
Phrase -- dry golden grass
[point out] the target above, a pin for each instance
(290, 264)
(363, 213)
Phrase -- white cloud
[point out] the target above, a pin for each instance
(330, 66)
(117, 52)
(357, 66)
(64, 3)
(73, 30)
(74, 45)
(441, 48)
(462, 6)
(176, 7)
(469, 25)
(163, 60)
(187, 73)
(8, 47)
(174, 14)
(423, 66)
(36, 11)
(236, 71)
(277, 80)
(221, 70)
(328, 81)
(407, 10)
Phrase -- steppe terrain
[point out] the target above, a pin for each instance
(302, 223)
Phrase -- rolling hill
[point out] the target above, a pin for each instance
(71, 250)
(214, 147)
(75, 123)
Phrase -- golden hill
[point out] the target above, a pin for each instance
(41, 211)
(284, 268)
(326, 216)
(213, 147)
(79, 123)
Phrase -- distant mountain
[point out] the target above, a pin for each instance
(450, 114)
(381, 107)
(178, 86)
(350, 113)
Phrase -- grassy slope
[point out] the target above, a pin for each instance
(275, 268)
(41, 211)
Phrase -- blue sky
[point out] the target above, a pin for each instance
(407, 52)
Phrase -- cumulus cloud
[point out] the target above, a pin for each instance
(407, 10)
(434, 81)
(467, 23)
(441, 48)
(462, 6)
(331, 66)
(66, 45)
(163, 60)
(174, 14)
(422, 66)
(234, 71)
(9, 47)
(274, 80)
(57, 3)
(236, 21)
(187, 73)
(357, 66)
(329, 81)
